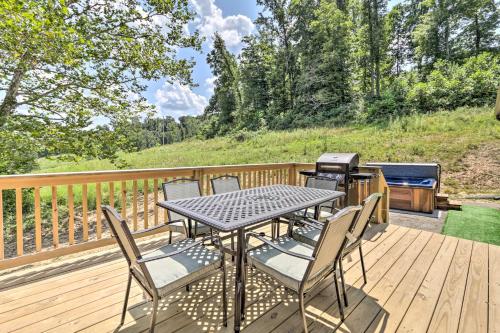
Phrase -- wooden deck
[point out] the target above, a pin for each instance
(417, 282)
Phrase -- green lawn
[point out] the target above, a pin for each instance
(443, 137)
(475, 223)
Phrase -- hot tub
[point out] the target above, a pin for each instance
(413, 186)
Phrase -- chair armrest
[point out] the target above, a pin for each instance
(166, 255)
(312, 223)
(145, 231)
(277, 247)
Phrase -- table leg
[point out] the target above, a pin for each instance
(239, 297)
(190, 228)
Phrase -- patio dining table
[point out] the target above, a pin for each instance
(235, 211)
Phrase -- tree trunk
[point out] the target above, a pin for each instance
(478, 34)
(371, 42)
(10, 100)
(377, 37)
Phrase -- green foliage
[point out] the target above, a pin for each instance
(450, 85)
(64, 64)
(331, 63)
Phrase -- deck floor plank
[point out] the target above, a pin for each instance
(446, 316)
(417, 281)
(474, 316)
(494, 289)
(357, 290)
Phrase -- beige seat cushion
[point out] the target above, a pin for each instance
(307, 234)
(287, 269)
(323, 215)
(181, 269)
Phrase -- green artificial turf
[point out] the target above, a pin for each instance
(475, 223)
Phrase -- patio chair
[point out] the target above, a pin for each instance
(311, 231)
(169, 267)
(180, 189)
(224, 184)
(299, 266)
(323, 183)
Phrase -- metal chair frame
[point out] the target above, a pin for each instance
(212, 183)
(319, 246)
(189, 232)
(139, 265)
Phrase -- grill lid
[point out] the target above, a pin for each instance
(351, 159)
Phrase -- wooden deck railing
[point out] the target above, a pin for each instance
(44, 216)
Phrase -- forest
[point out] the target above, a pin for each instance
(332, 63)
(328, 63)
(309, 63)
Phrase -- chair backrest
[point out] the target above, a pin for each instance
(122, 234)
(332, 239)
(369, 206)
(180, 189)
(322, 183)
(225, 184)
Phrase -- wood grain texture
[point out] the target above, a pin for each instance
(38, 220)
(405, 269)
(447, 313)
(474, 316)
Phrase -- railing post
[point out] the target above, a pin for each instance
(292, 174)
(1, 226)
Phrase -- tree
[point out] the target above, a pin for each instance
(256, 63)
(65, 63)
(226, 100)
(190, 126)
(279, 23)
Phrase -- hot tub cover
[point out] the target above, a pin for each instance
(411, 182)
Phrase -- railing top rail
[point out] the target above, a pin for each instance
(64, 178)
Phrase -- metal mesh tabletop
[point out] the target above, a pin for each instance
(234, 210)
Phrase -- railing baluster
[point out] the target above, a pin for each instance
(134, 205)
(124, 199)
(55, 218)
(38, 221)
(155, 194)
(85, 215)
(112, 194)
(165, 213)
(2, 255)
(98, 203)
(71, 212)
(146, 203)
(19, 221)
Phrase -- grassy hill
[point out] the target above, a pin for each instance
(444, 137)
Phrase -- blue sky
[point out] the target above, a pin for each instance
(233, 19)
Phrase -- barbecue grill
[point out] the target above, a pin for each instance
(341, 166)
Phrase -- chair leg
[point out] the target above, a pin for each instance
(343, 282)
(232, 245)
(337, 291)
(170, 237)
(153, 314)
(125, 303)
(362, 263)
(303, 311)
(224, 293)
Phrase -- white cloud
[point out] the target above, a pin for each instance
(178, 100)
(231, 28)
(210, 84)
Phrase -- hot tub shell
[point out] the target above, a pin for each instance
(413, 186)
